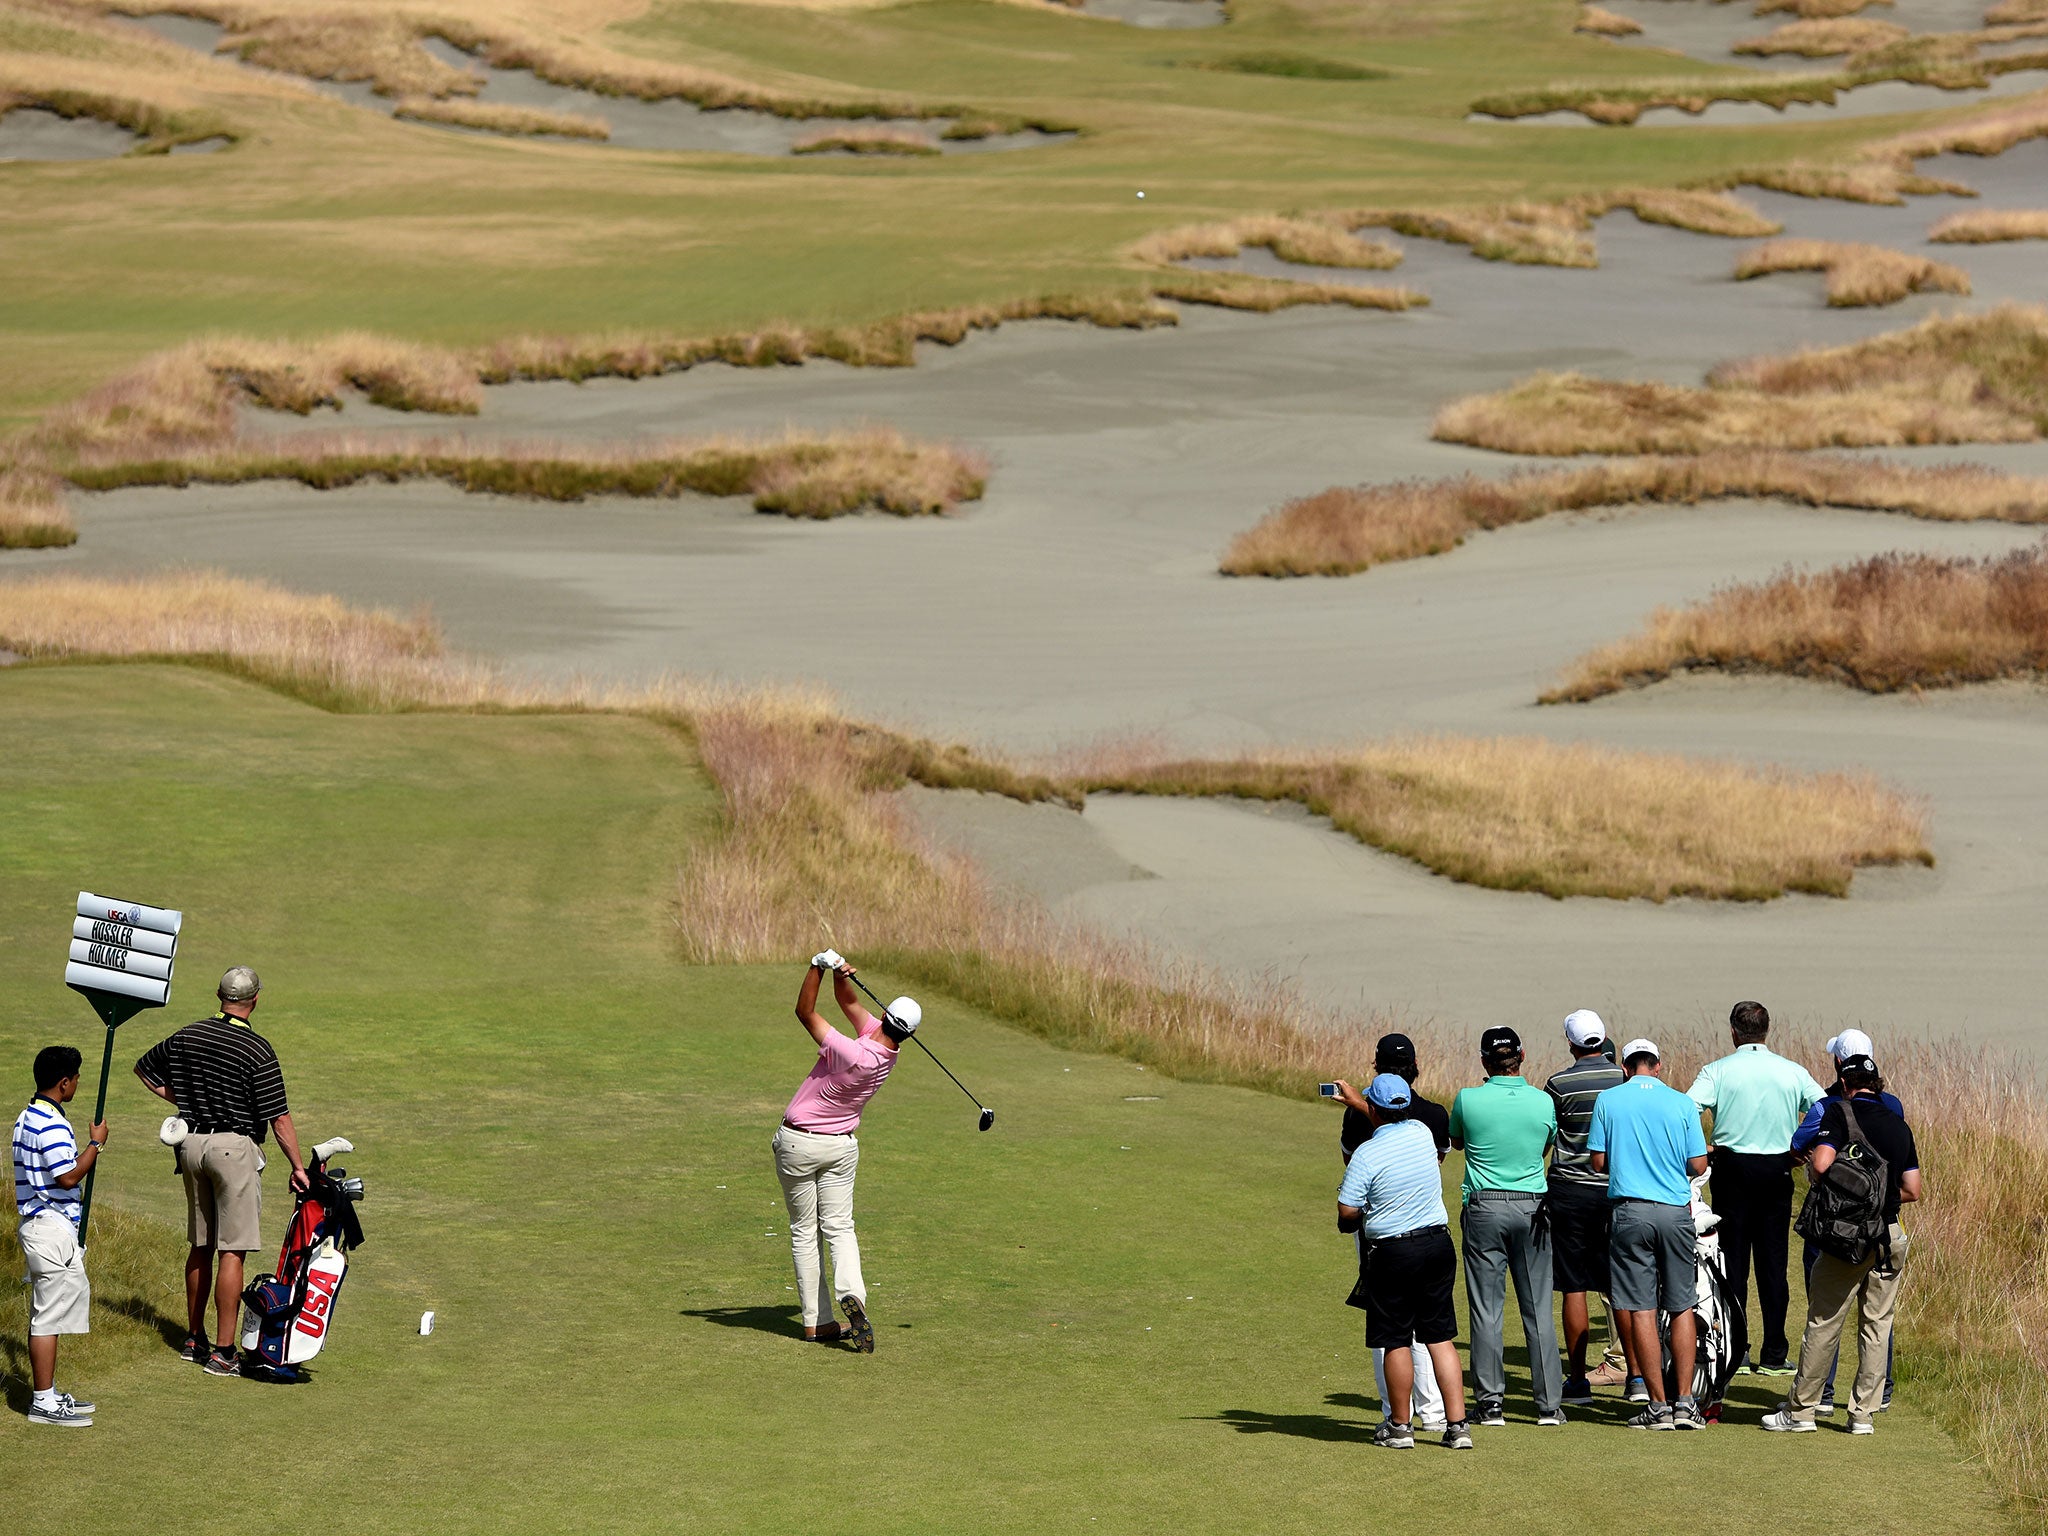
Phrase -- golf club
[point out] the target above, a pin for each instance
(988, 1116)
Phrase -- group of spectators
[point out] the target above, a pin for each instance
(1587, 1187)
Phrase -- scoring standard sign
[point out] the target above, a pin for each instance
(123, 948)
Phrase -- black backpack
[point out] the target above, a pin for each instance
(1844, 1210)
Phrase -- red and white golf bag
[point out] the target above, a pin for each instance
(286, 1315)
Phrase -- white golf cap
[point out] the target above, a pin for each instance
(1583, 1027)
(1641, 1047)
(1850, 1042)
(907, 1014)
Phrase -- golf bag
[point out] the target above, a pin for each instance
(1723, 1323)
(286, 1315)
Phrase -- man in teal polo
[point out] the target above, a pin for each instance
(1757, 1098)
(1505, 1127)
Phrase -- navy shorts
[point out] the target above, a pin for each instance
(1408, 1290)
(1579, 1236)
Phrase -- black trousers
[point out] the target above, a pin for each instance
(1753, 1197)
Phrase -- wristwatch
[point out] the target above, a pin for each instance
(97, 1146)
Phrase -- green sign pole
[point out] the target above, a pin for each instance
(114, 1011)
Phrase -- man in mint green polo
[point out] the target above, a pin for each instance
(1757, 1098)
(1505, 1127)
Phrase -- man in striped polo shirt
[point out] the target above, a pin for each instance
(48, 1168)
(1578, 1197)
(224, 1081)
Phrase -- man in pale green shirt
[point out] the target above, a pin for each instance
(1757, 1099)
(1505, 1127)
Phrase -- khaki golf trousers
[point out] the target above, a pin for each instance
(1829, 1290)
(817, 1186)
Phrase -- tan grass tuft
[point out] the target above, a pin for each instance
(1823, 38)
(32, 510)
(819, 476)
(1349, 529)
(1990, 224)
(1530, 234)
(1301, 241)
(1702, 212)
(1894, 622)
(1858, 275)
(1814, 9)
(491, 117)
(1264, 295)
(2017, 12)
(1950, 379)
(865, 141)
(1525, 814)
(381, 48)
(1605, 23)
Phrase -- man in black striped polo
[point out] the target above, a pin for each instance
(224, 1081)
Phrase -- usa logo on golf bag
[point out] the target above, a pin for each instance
(286, 1316)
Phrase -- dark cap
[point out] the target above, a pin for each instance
(1393, 1053)
(1499, 1041)
(1862, 1065)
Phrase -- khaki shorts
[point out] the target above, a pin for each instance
(223, 1195)
(60, 1297)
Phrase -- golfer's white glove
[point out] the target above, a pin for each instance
(828, 960)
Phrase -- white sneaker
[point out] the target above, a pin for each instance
(59, 1414)
(1550, 1418)
(1784, 1423)
(74, 1404)
(1861, 1426)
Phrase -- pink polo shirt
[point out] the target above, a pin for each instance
(848, 1073)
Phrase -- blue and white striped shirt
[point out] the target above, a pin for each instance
(1395, 1180)
(43, 1148)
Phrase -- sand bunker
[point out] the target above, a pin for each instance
(1081, 599)
(33, 133)
(1164, 14)
(1709, 29)
(1885, 97)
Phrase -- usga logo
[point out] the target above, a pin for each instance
(320, 1288)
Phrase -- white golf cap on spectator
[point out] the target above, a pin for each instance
(1850, 1042)
(1583, 1027)
(1640, 1047)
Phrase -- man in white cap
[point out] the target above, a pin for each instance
(1645, 1139)
(1578, 1196)
(1850, 1043)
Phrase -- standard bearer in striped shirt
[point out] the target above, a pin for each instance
(48, 1168)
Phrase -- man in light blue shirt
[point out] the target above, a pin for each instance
(1393, 1194)
(1757, 1099)
(1646, 1138)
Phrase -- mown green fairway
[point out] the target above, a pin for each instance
(1114, 1312)
(324, 217)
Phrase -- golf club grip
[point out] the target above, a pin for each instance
(917, 1042)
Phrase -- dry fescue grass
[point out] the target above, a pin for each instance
(1310, 242)
(493, 117)
(1349, 529)
(138, 1297)
(1525, 814)
(1894, 622)
(1883, 171)
(1605, 23)
(158, 127)
(1815, 9)
(1264, 295)
(1858, 275)
(1987, 225)
(381, 47)
(32, 510)
(865, 141)
(1823, 38)
(1560, 234)
(818, 476)
(1950, 379)
(2017, 12)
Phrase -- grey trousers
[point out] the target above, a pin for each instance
(1499, 1244)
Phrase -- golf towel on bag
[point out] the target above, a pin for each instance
(285, 1316)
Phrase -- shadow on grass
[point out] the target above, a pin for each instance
(1307, 1426)
(781, 1320)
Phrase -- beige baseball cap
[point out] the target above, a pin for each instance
(239, 984)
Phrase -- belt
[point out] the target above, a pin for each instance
(1396, 1237)
(791, 1125)
(1505, 1194)
(200, 1129)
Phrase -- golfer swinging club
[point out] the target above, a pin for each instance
(816, 1152)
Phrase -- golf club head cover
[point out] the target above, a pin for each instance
(332, 1145)
(173, 1131)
